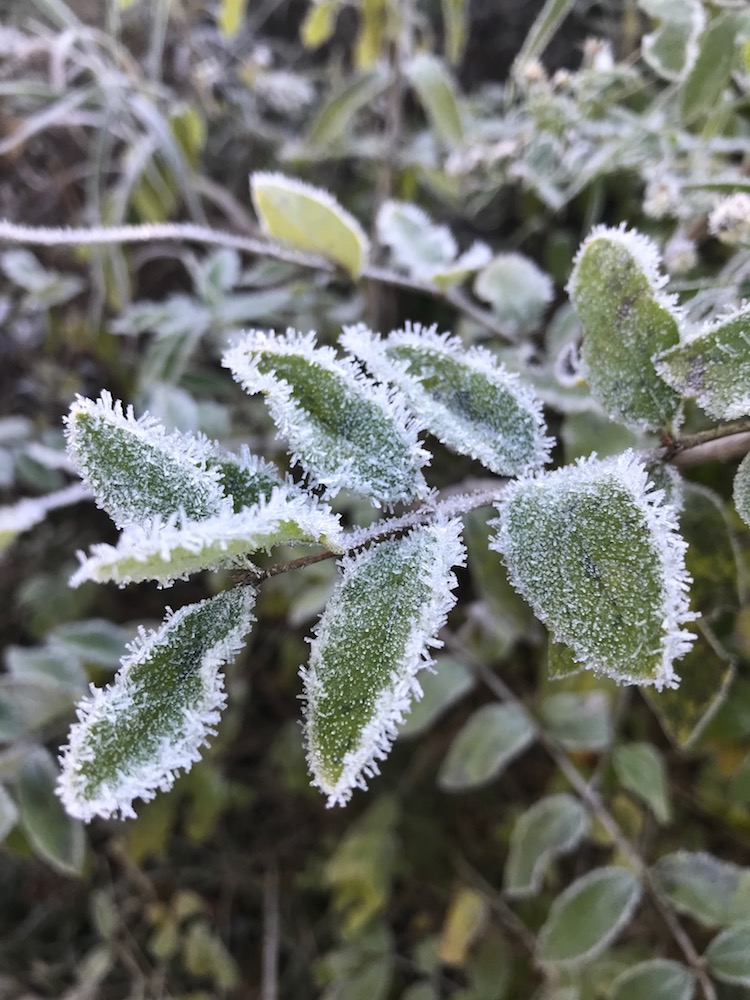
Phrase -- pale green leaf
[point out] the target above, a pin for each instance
(466, 918)
(712, 69)
(615, 288)
(561, 661)
(596, 553)
(55, 836)
(493, 736)
(551, 827)
(8, 813)
(46, 665)
(310, 219)
(94, 641)
(742, 489)
(135, 468)
(133, 736)
(713, 366)
(319, 23)
(335, 118)
(657, 979)
(456, 27)
(441, 689)
(588, 916)
(578, 721)
(174, 549)
(672, 48)
(417, 244)
(465, 398)
(640, 768)
(370, 643)
(715, 893)
(346, 431)
(728, 955)
(436, 90)
(231, 17)
(517, 290)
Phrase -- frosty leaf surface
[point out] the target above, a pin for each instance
(578, 721)
(728, 955)
(492, 737)
(588, 916)
(742, 489)
(346, 431)
(672, 48)
(133, 736)
(370, 643)
(713, 366)
(309, 218)
(450, 681)
(246, 478)
(615, 288)
(657, 979)
(640, 768)
(553, 826)
(137, 470)
(517, 290)
(55, 836)
(465, 398)
(173, 549)
(596, 553)
(715, 893)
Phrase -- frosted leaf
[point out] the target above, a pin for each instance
(173, 549)
(615, 287)
(742, 489)
(370, 643)
(133, 736)
(417, 243)
(136, 469)
(309, 218)
(671, 50)
(344, 430)
(245, 477)
(471, 260)
(465, 398)
(516, 289)
(595, 551)
(713, 365)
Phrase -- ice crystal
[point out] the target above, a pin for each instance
(595, 551)
(370, 644)
(730, 219)
(345, 431)
(133, 736)
(465, 398)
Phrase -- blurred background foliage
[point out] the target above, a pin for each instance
(517, 125)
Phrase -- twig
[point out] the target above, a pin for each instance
(11, 232)
(592, 801)
(270, 975)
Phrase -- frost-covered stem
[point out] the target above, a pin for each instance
(593, 802)
(392, 527)
(11, 232)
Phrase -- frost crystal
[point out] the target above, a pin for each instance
(136, 469)
(370, 643)
(173, 549)
(467, 400)
(596, 552)
(344, 430)
(133, 736)
(730, 219)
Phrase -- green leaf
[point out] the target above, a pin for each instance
(8, 813)
(615, 288)
(335, 117)
(54, 835)
(640, 768)
(94, 641)
(133, 736)
(417, 244)
(310, 219)
(728, 955)
(135, 469)
(174, 549)
(561, 661)
(493, 736)
(713, 366)
(319, 23)
(657, 979)
(449, 682)
(685, 712)
(467, 400)
(553, 826)
(456, 27)
(712, 69)
(370, 644)
(47, 665)
(595, 552)
(578, 721)
(711, 558)
(742, 489)
(671, 50)
(517, 290)
(588, 916)
(715, 893)
(436, 91)
(346, 431)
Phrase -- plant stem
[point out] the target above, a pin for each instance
(594, 804)
(190, 232)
